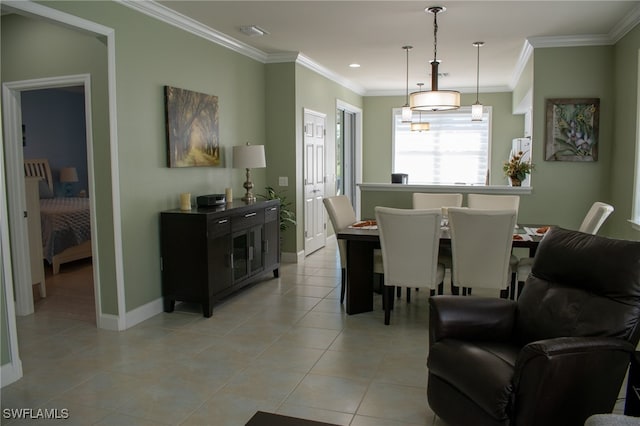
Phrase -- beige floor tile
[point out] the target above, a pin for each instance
(395, 402)
(329, 393)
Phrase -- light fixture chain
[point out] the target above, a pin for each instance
(478, 76)
(435, 35)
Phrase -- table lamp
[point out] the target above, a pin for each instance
(68, 175)
(248, 157)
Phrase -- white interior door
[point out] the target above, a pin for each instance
(314, 179)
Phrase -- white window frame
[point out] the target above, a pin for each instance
(635, 213)
(463, 110)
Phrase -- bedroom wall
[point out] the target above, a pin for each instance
(54, 121)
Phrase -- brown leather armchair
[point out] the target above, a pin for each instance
(554, 357)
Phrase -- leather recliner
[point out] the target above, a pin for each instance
(554, 357)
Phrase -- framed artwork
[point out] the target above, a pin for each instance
(192, 128)
(572, 129)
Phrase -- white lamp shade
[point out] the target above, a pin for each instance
(68, 175)
(420, 126)
(476, 112)
(249, 157)
(407, 114)
(434, 100)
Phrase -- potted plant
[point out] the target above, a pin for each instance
(287, 216)
(516, 169)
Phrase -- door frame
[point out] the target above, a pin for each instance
(15, 183)
(13, 370)
(357, 151)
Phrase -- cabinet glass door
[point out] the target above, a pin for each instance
(240, 256)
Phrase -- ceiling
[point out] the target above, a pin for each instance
(334, 34)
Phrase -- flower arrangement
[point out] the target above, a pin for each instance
(516, 168)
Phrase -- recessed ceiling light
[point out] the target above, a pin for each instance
(253, 31)
(354, 65)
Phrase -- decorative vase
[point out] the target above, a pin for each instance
(515, 181)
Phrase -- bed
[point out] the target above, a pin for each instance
(65, 221)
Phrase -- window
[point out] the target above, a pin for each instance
(635, 220)
(455, 150)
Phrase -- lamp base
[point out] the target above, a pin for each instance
(248, 186)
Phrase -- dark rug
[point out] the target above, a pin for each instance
(269, 419)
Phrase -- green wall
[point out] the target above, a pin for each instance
(564, 191)
(34, 49)
(281, 136)
(625, 127)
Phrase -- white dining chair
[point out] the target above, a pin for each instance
(341, 215)
(423, 200)
(498, 202)
(593, 220)
(410, 240)
(481, 242)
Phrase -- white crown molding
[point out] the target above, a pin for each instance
(314, 66)
(525, 54)
(171, 17)
(570, 41)
(628, 23)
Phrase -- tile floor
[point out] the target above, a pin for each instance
(284, 345)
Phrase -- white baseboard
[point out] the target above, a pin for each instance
(10, 372)
(292, 257)
(109, 322)
(143, 313)
(131, 318)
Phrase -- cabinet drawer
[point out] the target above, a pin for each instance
(247, 219)
(219, 226)
(271, 214)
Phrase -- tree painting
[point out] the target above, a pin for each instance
(192, 128)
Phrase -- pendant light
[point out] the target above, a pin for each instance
(406, 110)
(477, 108)
(420, 126)
(435, 100)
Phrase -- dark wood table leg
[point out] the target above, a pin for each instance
(359, 276)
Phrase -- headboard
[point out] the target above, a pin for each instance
(39, 167)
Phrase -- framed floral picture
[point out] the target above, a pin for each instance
(192, 128)
(572, 129)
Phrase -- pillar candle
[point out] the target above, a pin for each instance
(228, 195)
(185, 201)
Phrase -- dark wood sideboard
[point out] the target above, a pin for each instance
(209, 253)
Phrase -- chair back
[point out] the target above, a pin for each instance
(494, 202)
(581, 285)
(597, 214)
(481, 245)
(409, 240)
(341, 215)
(423, 201)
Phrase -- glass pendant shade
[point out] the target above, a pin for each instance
(435, 100)
(406, 114)
(476, 112)
(420, 126)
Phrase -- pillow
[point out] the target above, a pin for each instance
(45, 191)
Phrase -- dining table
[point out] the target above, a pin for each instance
(362, 238)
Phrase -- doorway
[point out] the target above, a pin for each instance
(13, 93)
(54, 128)
(348, 154)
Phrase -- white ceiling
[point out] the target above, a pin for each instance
(332, 34)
